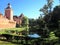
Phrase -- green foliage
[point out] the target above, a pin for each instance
(52, 39)
(9, 30)
(32, 24)
(57, 32)
(6, 43)
(52, 36)
(25, 21)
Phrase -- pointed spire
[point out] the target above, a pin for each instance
(9, 6)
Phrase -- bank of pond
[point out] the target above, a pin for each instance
(28, 39)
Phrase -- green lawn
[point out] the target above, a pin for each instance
(14, 42)
(2, 31)
(6, 43)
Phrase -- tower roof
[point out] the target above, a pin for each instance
(9, 6)
(22, 15)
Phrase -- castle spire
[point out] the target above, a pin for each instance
(9, 12)
(9, 6)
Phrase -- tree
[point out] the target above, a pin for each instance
(32, 25)
(44, 9)
(49, 3)
(52, 39)
(25, 23)
(55, 17)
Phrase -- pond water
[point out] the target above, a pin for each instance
(34, 35)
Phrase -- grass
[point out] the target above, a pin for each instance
(9, 31)
(13, 42)
(57, 44)
(3, 31)
(6, 43)
(18, 29)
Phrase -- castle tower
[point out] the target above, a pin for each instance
(9, 12)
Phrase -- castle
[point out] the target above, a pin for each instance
(8, 20)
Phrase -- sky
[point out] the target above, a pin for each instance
(29, 8)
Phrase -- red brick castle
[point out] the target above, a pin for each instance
(8, 20)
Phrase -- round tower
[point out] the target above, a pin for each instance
(9, 12)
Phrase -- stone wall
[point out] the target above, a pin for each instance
(5, 23)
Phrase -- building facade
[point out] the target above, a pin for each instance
(8, 20)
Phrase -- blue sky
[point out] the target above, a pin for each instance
(29, 8)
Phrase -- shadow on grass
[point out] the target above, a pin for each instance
(9, 41)
(17, 42)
